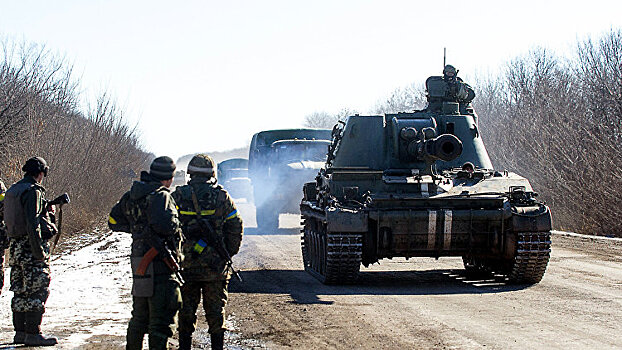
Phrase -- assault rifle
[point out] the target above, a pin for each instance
(158, 247)
(216, 241)
(60, 201)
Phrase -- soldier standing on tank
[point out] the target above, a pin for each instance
(457, 90)
(29, 253)
(4, 240)
(205, 271)
(149, 213)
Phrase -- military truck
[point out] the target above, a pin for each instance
(233, 176)
(421, 184)
(280, 162)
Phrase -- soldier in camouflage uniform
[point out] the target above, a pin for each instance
(204, 270)
(29, 253)
(4, 240)
(457, 90)
(148, 212)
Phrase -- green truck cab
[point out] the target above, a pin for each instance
(280, 162)
(233, 176)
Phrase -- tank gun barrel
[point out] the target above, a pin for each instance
(445, 147)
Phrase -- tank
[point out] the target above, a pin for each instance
(280, 162)
(421, 184)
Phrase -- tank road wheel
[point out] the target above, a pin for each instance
(533, 251)
(332, 258)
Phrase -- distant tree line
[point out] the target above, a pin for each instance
(558, 122)
(326, 120)
(93, 154)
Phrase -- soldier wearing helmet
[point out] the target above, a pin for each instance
(448, 88)
(457, 90)
(204, 270)
(25, 213)
(450, 73)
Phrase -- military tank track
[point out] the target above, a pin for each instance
(528, 266)
(532, 256)
(331, 257)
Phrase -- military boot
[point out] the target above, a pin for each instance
(134, 339)
(33, 331)
(218, 340)
(19, 321)
(185, 341)
(158, 342)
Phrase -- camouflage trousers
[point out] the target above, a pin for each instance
(30, 277)
(214, 300)
(1, 270)
(156, 315)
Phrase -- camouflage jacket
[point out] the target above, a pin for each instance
(148, 209)
(24, 204)
(4, 240)
(203, 263)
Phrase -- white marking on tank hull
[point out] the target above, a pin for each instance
(447, 230)
(431, 229)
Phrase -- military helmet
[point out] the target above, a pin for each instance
(36, 165)
(202, 164)
(162, 168)
(450, 71)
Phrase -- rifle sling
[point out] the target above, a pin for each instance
(195, 202)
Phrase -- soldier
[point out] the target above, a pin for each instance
(4, 240)
(148, 212)
(29, 252)
(206, 272)
(457, 89)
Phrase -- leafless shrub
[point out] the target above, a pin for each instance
(93, 156)
(557, 122)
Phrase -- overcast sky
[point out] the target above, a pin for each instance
(206, 75)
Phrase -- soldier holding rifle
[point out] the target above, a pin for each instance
(29, 227)
(213, 231)
(149, 213)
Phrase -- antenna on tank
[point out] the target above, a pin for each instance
(444, 57)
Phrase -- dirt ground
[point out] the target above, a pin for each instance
(416, 304)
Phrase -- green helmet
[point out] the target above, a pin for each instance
(450, 71)
(202, 164)
(36, 165)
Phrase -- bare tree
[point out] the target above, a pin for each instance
(92, 155)
(404, 99)
(325, 120)
(556, 122)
